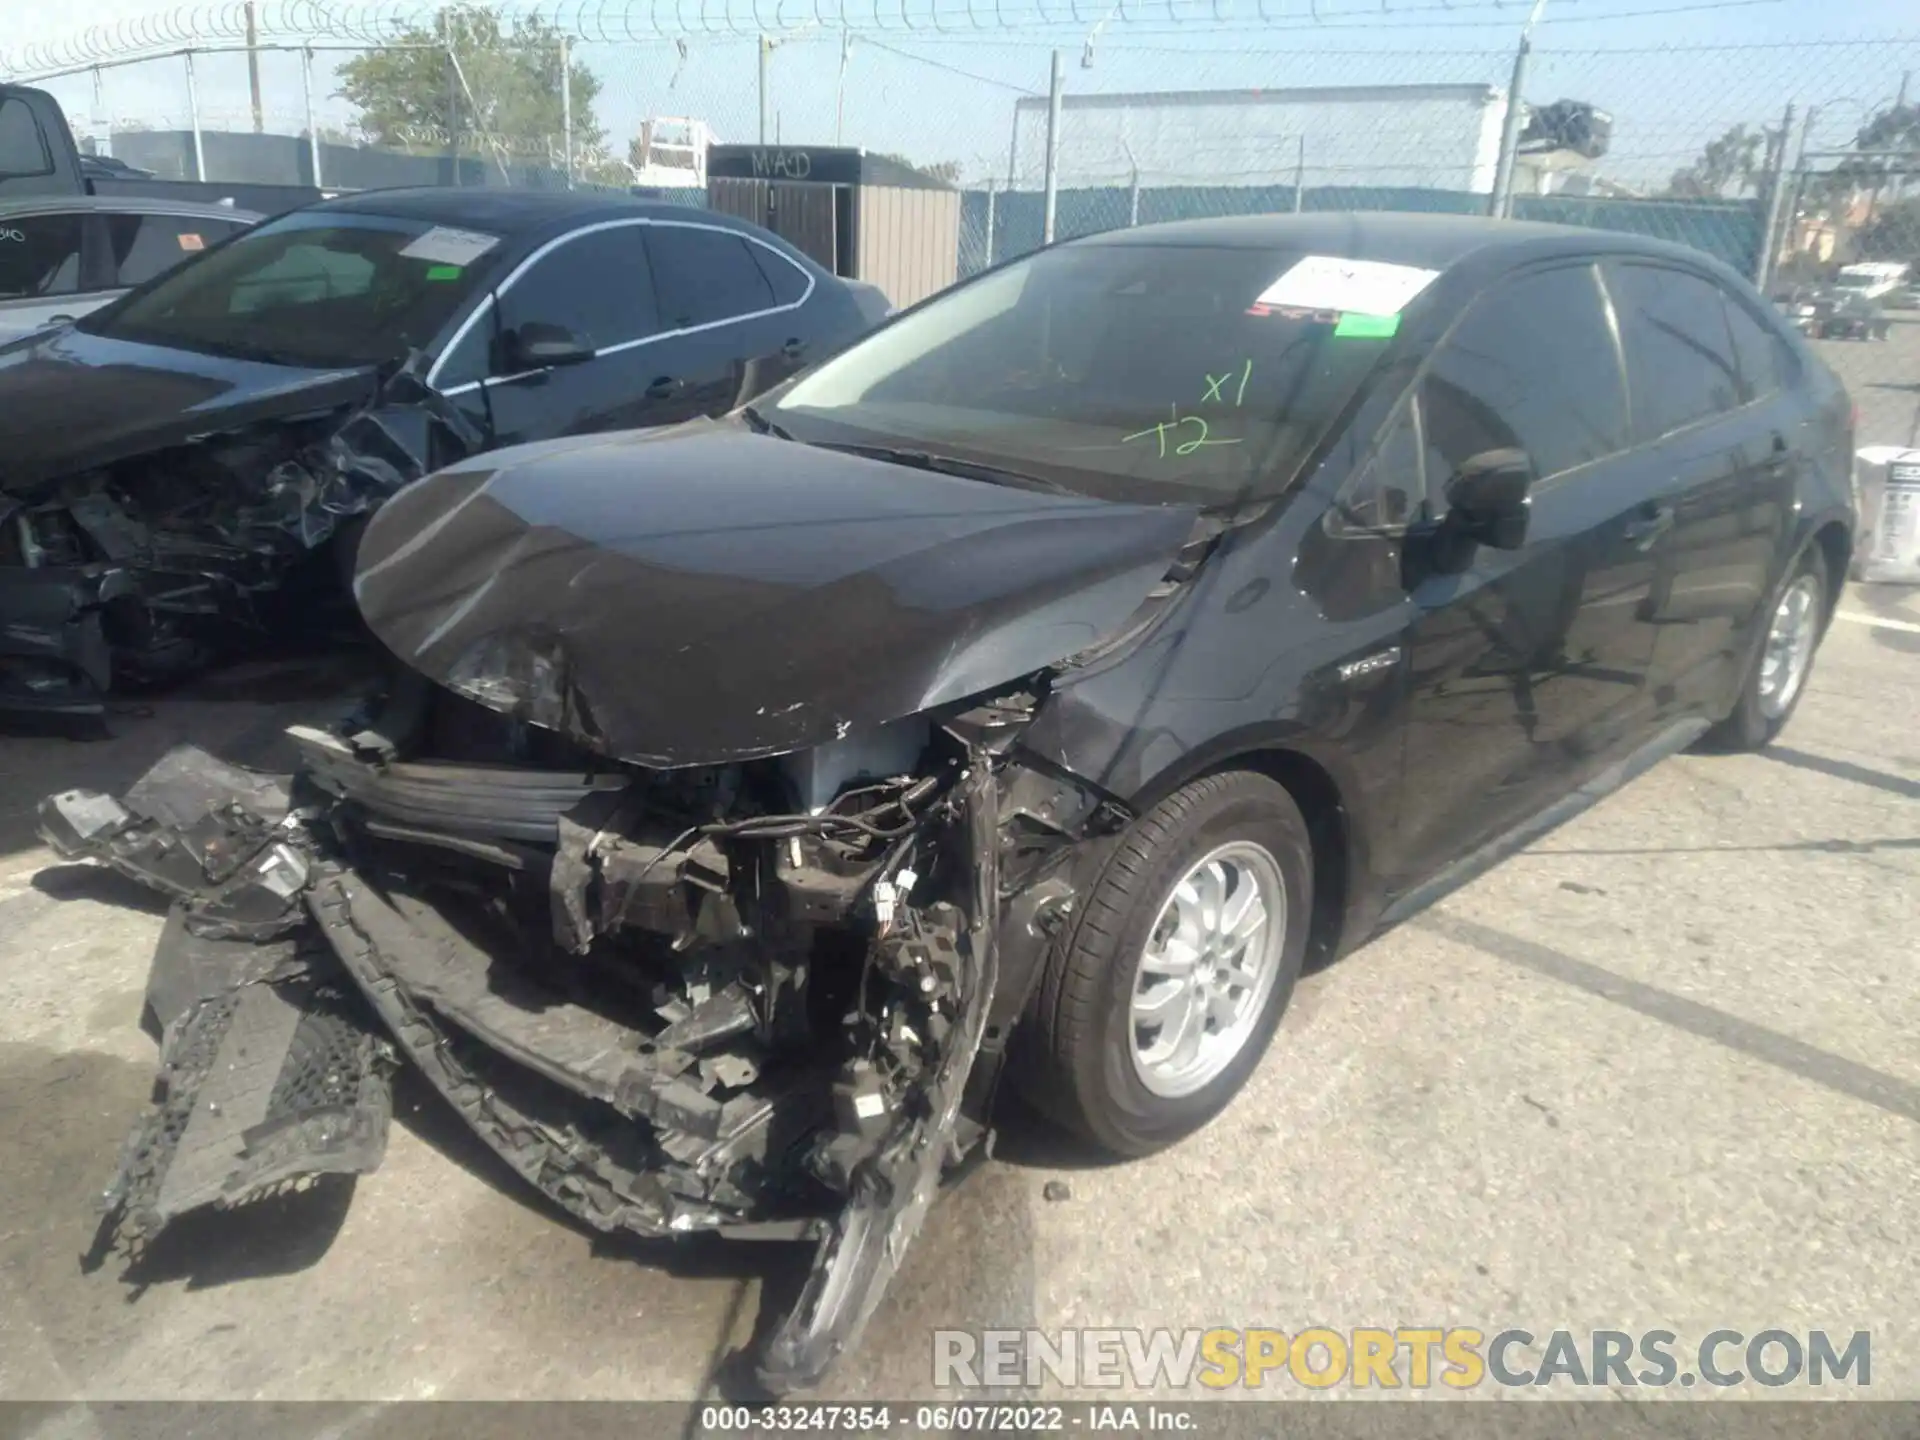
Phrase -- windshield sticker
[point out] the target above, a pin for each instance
(1356, 326)
(190, 241)
(1327, 282)
(444, 272)
(450, 247)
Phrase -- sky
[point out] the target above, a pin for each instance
(1673, 73)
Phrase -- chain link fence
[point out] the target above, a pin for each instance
(1795, 163)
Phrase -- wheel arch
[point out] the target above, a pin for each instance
(1835, 542)
(1338, 836)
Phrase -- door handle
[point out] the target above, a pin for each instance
(1649, 524)
(664, 388)
(794, 349)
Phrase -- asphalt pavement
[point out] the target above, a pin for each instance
(1659, 1071)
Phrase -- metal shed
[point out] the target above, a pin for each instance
(863, 216)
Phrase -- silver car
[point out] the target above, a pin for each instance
(63, 255)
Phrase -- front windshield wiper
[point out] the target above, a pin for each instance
(762, 425)
(952, 465)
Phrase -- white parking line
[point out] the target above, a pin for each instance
(1880, 621)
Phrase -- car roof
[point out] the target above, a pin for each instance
(1434, 242)
(123, 205)
(505, 211)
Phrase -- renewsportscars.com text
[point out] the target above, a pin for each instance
(1460, 1358)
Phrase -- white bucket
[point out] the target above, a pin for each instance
(1886, 495)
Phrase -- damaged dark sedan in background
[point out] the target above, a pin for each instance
(1027, 692)
(185, 471)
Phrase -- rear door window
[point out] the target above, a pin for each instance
(1532, 366)
(1680, 362)
(704, 275)
(1762, 356)
(144, 246)
(23, 149)
(39, 255)
(595, 285)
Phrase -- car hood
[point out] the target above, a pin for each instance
(704, 594)
(70, 401)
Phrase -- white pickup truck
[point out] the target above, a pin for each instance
(1888, 281)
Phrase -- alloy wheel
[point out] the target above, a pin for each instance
(1789, 652)
(1208, 969)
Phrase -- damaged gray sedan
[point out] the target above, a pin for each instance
(183, 474)
(1025, 692)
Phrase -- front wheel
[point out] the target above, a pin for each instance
(1777, 675)
(1158, 1002)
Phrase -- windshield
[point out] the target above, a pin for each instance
(316, 288)
(1135, 372)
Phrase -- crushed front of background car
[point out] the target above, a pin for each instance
(769, 999)
(146, 566)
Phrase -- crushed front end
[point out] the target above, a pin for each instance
(762, 998)
(208, 537)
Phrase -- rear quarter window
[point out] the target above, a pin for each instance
(1680, 360)
(39, 255)
(1765, 362)
(786, 279)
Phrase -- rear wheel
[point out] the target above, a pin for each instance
(1777, 676)
(1158, 1002)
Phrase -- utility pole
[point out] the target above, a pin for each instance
(453, 100)
(1799, 173)
(566, 108)
(1056, 85)
(253, 69)
(1502, 199)
(193, 117)
(313, 127)
(1776, 202)
(766, 48)
(840, 87)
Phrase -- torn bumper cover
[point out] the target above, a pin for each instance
(146, 566)
(731, 1077)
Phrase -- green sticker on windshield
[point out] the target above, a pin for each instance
(1366, 327)
(443, 272)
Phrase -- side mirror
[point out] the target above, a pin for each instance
(537, 345)
(1487, 498)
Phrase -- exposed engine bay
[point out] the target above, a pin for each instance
(148, 566)
(767, 998)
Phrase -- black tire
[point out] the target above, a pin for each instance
(1750, 727)
(1077, 1042)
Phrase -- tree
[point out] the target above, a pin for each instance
(1893, 233)
(410, 96)
(1734, 159)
